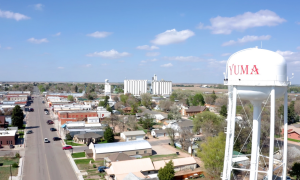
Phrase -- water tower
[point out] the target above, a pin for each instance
(256, 75)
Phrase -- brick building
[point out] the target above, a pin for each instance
(294, 134)
(73, 116)
(8, 137)
(192, 110)
(3, 123)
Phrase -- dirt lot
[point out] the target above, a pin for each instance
(201, 89)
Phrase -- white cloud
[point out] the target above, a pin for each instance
(225, 25)
(143, 61)
(184, 58)
(37, 41)
(289, 55)
(104, 64)
(153, 60)
(298, 48)
(38, 7)
(152, 54)
(172, 36)
(60, 67)
(12, 15)
(8, 48)
(167, 65)
(147, 47)
(88, 65)
(246, 39)
(226, 54)
(298, 23)
(112, 54)
(98, 34)
(216, 64)
(57, 34)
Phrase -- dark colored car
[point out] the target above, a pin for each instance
(11, 146)
(45, 109)
(50, 122)
(56, 139)
(67, 147)
(31, 109)
(52, 129)
(29, 132)
(101, 168)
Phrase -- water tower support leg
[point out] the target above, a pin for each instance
(285, 136)
(255, 139)
(272, 127)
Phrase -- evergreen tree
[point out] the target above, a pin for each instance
(187, 102)
(106, 101)
(76, 89)
(295, 171)
(291, 112)
(109, 135)
(108, 108)
(168, 172)
(17, 116)
(223, 111)
(198, 100)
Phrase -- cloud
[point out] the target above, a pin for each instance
(298, 48)
(216, 64)
(153, 60)
(225, 25)
(57, 34)
(87, 65)
(98, 34)
(152, 54)
(60, 67)
(146, 47)
(289, 55)
(38, 7)
(8, 48)
(298, 23)
(246, 39)
(12, 15)
(38, 41)
(172, 36)
(167, 65)
(143, 61)
(184, 58)
(226, 54)
(112, 54)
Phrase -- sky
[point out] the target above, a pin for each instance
(181, 41)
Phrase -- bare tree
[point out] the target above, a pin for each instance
(116, 98)
(171, 133)
(122, 123)
(146, 100)
(112, 121)
(297, 107)
(185, 136)
(118, 105)
(174, 113)
(132, 123)
(221, 100)
(208, 99)
(165, 105)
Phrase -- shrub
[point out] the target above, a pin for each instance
(94, 166)
(68, 136)
(15, 165)
(17, 155)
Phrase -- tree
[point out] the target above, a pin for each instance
(198, 100)
(291, 112)
(174, 113)
(105, 102)
(109, 135)
(212, 154)
(185, 135)
(165, 105)
(171, 134)
(223, 111)
(70, 98)
(124, 98)
(209, 123)
(76, 89)
(116, 99)
(108, 108)
(147, 121)
(17, 117)
(168, 172)
(132, 123)
(187, 102)
(295, 171)
(146, 100)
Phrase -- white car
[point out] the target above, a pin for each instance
(46, 140)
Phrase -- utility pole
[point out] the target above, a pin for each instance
(10, 172)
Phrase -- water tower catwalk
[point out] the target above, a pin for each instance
(258, 76)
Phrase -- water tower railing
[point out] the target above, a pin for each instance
(257, 83)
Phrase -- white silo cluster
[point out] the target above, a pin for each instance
(135, 87)
(107, 88)
(161, 87)
(256, 75)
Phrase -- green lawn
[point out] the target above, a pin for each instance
(71, 143)
(105, 141)
(5, 172)
(293, 140)
(8, 160)
(89, 168)
(78, 155)
(83, 161)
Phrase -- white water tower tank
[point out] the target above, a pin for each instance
(254, 70)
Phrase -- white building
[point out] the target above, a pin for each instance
(133, 135)
(135, 87)
(107, 88)
(161, 87)
(102, 112)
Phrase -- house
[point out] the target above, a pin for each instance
(3, 122)
(118, 157)
(103, 113)
(159, 133)
(87, 138)
(100, 151)
(139, 167)
(294, 134)
(133, 135)
(179, 164)
(8, 137)
(158, 117)
(241, 159)
(81, 127)
(177, 125)
(127, 110)
(192, 110)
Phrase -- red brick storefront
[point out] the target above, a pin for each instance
(65, 116)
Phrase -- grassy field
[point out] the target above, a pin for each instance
(83, 161)
(102, 142)
(91, 169)
(5, 168)
(71, 143)
(293, 140)
(78, 155)
(9, 160)
(162, 157)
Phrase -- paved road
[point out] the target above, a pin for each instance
(45, 161)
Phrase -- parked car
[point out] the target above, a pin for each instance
(46, 140)
(31, 109)
(101, 168)
(50, 122)
(45, 109)
(46, 112)
(11, 146)
(52, 129)
(29, 132)
(67, 147)
(56, 139)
